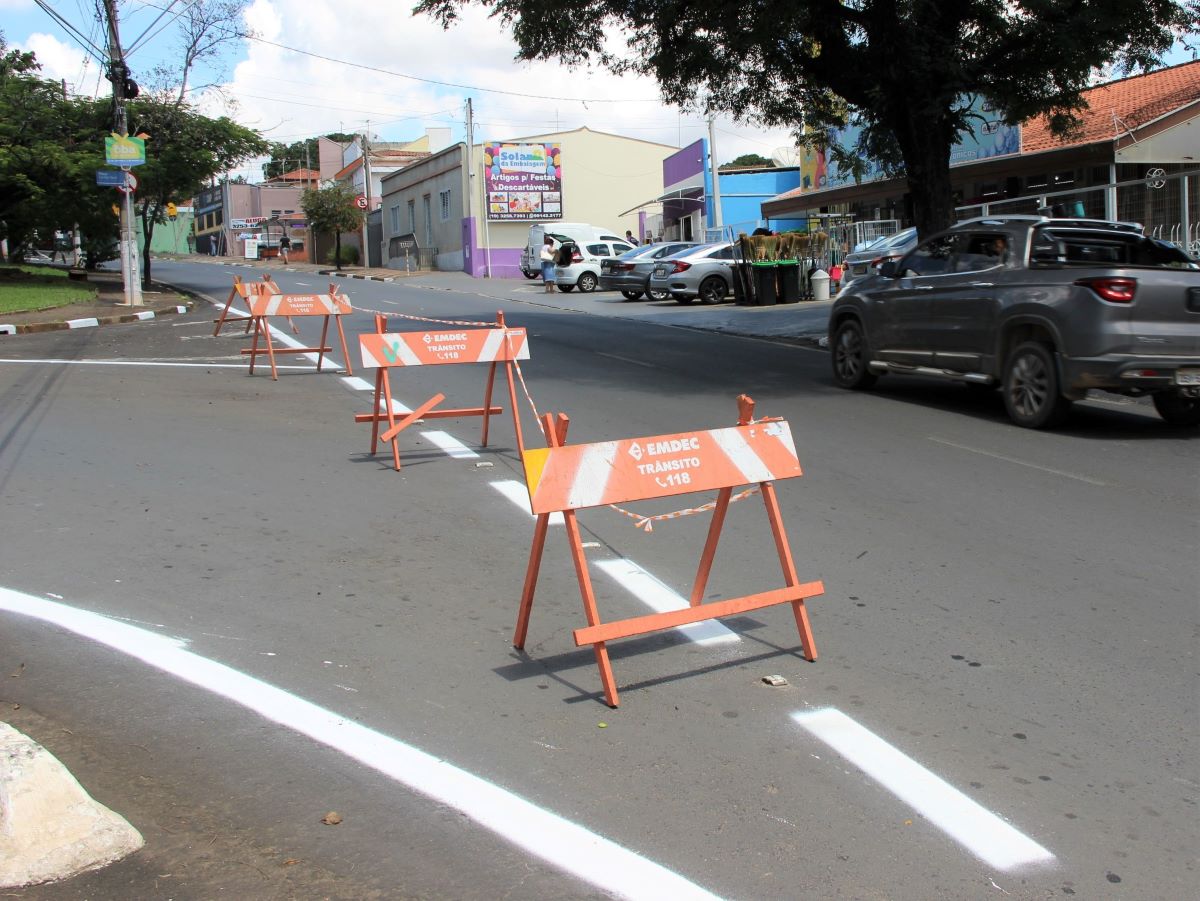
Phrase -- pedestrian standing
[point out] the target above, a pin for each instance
(547, 258)
(285, 246)
(630, 238)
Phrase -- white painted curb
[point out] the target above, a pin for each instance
(50, 828)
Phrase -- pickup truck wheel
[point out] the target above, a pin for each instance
(1031, 393)
(1177, 410)
(631, 295)
(849, 356)
(587, 282)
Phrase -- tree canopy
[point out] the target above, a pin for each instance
(907, 69)
(51, 147)
(332, 209)
(298, 155)
(748, 159)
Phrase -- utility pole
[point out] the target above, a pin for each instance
(366, 192)
(76, 248)
(130, 270)
(712, 162)
(469, 168)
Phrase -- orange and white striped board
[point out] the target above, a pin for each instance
(432, 348)
(300, 305)
(267, 300)
(564, 478)
(383, 350)
(613, 472)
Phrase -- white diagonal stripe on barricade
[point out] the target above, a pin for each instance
(741, 455)
(591, 479)
(491, 347)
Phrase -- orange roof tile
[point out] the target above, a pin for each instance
(1134, 101)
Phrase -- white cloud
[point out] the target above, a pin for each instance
(61, 61)
(290, 96)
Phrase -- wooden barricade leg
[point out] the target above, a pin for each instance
(266, 330)
(589, 607)
(807, 644)
(321, 344)
(531, 577)
(254, 345)
(556, 435)
(345, 353)
(710, 546)
(487, 402)
(516, 412)
(233, 294)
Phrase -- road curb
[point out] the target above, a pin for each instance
(50, 828)
(92, 322)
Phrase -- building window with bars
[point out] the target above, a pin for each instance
(444, 196)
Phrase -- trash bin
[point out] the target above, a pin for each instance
(789, 281)
(765, 289)
(743, 290)
(820, 285)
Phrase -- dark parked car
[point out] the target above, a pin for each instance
(630, 272)
(1046, 309)
(890, 247)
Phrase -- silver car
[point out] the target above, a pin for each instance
(868, 260)
(630, 272)
(704, 272)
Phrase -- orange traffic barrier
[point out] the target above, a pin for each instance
(383, 350)
(562, 478)
(239, 289)
(245, 292)
(266, 301)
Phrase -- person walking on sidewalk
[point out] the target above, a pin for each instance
(547, 258)
(285, 247)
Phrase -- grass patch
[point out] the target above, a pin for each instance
(26, 288)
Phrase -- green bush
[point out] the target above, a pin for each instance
(349, 255)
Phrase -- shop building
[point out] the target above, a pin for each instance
(1135, 157)
(471, 210)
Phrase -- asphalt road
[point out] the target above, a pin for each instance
(1004, 702)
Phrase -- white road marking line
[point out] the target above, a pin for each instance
(354, 383)
(660, 598)
(628, 360)
(450, 445)
(980, 831)
(995, 456)
(556, 840)
(241, 366)
(515, 492)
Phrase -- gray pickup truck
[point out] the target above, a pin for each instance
(1045, 309)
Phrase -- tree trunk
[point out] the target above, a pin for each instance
(147, 234)
(925, 139)
(337, 251)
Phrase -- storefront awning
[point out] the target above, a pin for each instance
(695, 195)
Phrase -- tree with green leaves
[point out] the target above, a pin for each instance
(747, 160)
(907, 71)
(333, 210)
(184, 151)
(299, 155)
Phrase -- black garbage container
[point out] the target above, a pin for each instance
(789, 281)
(765, 288)
(743, 289)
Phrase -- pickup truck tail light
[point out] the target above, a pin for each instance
(1114, 290)
(680, 266)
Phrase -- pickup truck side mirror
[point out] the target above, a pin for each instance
(888, 269)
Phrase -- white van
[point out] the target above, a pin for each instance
(579, 232)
